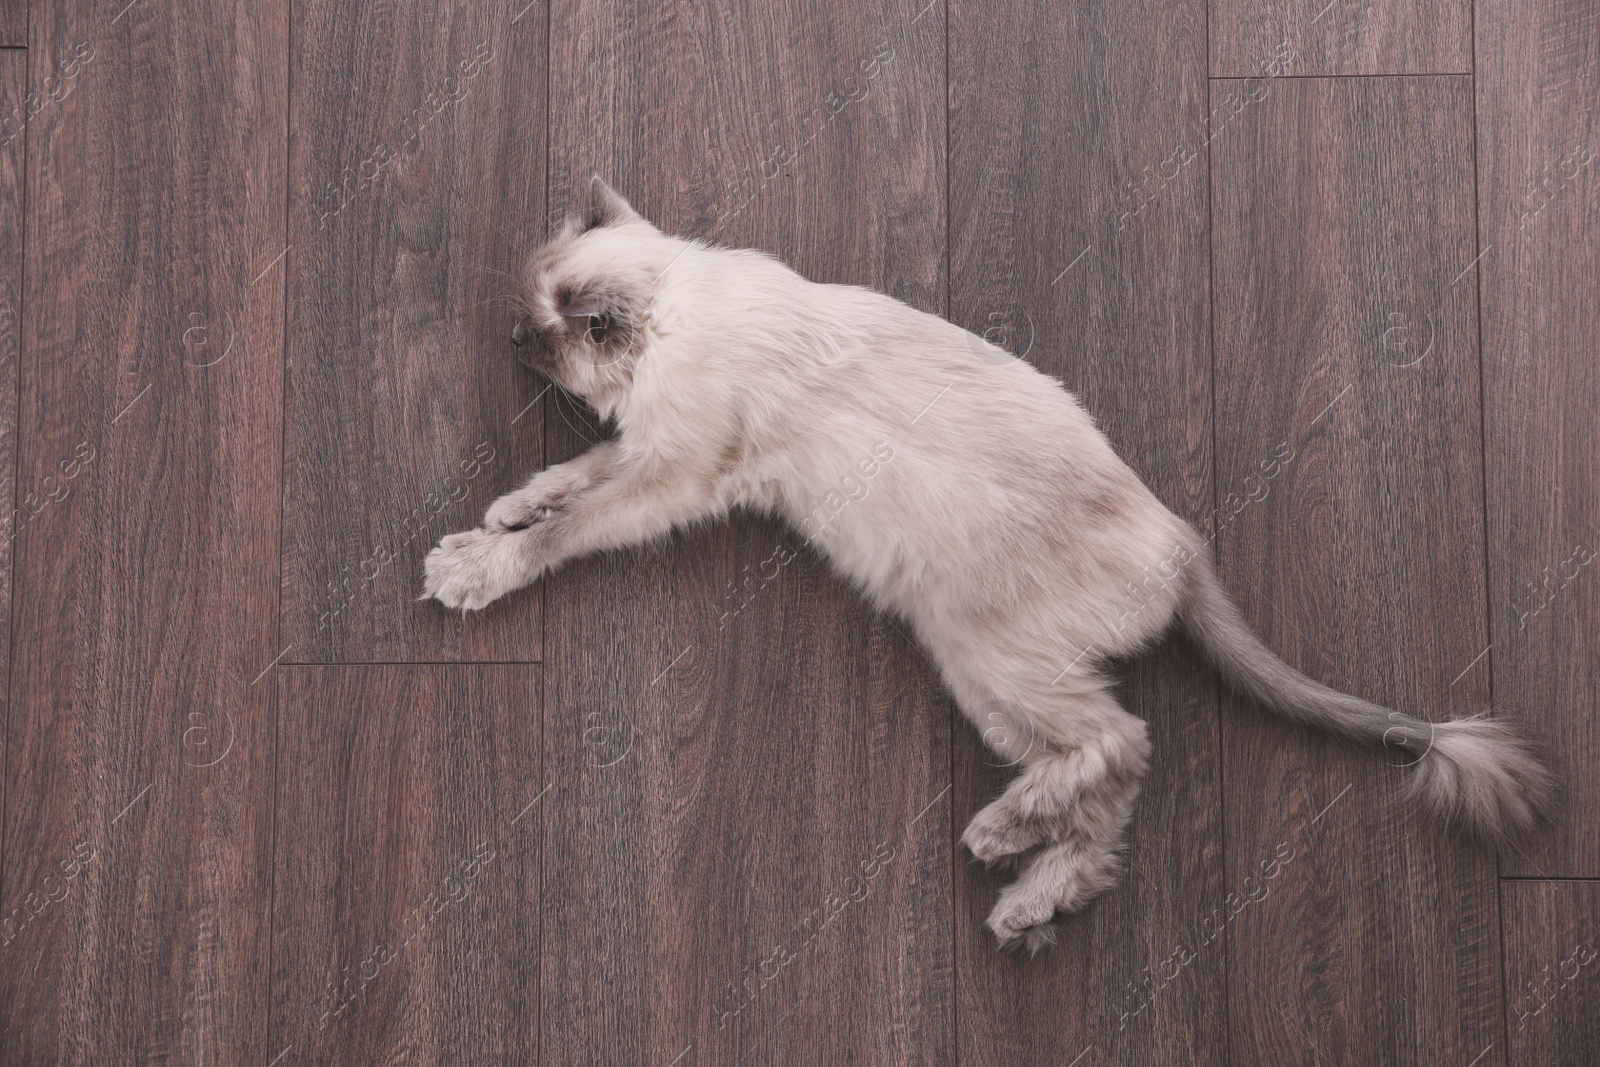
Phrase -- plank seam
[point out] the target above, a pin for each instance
(277, 623)
(16, 466)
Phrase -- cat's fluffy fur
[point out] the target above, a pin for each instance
(1003, 527)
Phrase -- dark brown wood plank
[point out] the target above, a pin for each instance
(406, 877)
(1347, 357)
(13, 78)
(717, 785)
(1081, 244)
(13, 27)
(138, 751)
(418, 164)
(1552, 948)
(1326, 37)
(1538, 213)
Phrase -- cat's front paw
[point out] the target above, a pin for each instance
(518, 511)
(536, 502)
(471, 570)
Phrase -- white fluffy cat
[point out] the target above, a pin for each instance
(999, 523)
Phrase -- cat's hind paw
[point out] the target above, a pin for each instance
(999, 834)
(1023, 918)
(1063, 876)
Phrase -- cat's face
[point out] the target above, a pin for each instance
(584, 299)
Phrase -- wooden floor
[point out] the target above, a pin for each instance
(1326, 272)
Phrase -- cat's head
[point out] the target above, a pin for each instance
(584, 298)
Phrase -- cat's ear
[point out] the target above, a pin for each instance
(607, 206)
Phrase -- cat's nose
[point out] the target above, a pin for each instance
(521, 335)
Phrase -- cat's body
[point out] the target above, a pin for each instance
(959, 489)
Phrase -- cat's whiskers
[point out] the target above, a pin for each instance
(509, 298)
(559, 407)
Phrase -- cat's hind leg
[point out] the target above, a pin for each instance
(1062, 876)
(1072, 802)
(1067, 741)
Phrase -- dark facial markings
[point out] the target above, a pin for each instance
(596, 327)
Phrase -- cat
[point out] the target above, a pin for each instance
(991, 515)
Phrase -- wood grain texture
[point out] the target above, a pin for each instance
(1328, 37)
(13, 26)
(1552, 972)
(406, 865)
(1539, 210)
(137, 748)
(1079, 242)
(13, 75)
(418, 165)
(748, 821)
(1347, 361)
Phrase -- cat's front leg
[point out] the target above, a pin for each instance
(550, 491)
(471, 569)
(619, 506)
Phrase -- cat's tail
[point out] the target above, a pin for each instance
(1478, 772)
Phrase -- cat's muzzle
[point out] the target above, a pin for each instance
(526, 340)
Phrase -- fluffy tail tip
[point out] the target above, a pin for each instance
(1483, 775)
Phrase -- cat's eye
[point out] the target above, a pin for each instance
(596, 330)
